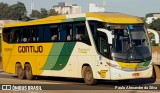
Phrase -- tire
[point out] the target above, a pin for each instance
(88, 76)
(20, 71)
(28, 72)
(123, 81)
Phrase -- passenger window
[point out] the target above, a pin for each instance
(34, 34)
(12, 36)
(54, 32)
(70, 32)
(18, 36)
(46, 33)
(6, 35)
(81, 33)
(26, 36)
(63, 32)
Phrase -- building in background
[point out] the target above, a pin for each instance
(150, 19)
(95, 8)
(154, 17)
(67, 8)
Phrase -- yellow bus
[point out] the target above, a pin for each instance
(93, 46)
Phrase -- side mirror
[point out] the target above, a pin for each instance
(108, 33)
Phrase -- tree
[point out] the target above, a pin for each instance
(155, 25)
(44, 13)
(149, 15)
(35, 14)
(3, 10)
(16, 12)
(52, 12)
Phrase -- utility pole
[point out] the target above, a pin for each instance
(104, 4)
(32, 5)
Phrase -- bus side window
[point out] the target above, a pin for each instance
(54, 30)
(40, 33)
(46, 33)
(69, 32)
(63, 32)
(81, 33)
(26, 35)
(34, 34)
(17, 33)
(6, 35)
(12, 35)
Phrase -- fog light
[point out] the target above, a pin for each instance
(135, 74)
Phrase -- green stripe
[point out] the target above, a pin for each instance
(59, 56)
(74, 19)
(144, 63)
(64, 56)
(140, 64)
(68, 20)
(79, 19)
(53, 56)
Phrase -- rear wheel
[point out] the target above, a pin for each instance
(28, 72)
(88, 76)
(20, 71)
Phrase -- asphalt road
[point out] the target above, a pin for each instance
(71, 85)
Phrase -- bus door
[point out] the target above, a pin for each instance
(103, 56)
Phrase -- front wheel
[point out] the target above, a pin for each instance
(88, 76)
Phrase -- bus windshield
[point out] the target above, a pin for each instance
(130, 43)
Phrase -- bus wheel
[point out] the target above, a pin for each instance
(123, 81)
(20, 71)
(88, 76)
(28, 72)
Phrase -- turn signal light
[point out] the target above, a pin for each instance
(135, 74)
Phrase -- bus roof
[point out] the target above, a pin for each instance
(111, 17)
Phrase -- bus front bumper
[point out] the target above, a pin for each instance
(122, 74)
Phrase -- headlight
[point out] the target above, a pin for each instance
(115, 66)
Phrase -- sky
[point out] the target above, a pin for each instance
(133, 7)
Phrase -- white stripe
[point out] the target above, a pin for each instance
(93, 18)
(75, 15)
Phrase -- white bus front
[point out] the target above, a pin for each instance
(128, 49)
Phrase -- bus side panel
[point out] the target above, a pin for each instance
(7, 52)
(86, 55)
(41, 58)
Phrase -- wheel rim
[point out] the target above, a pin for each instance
(28, 72)
(20, 72)
(88, 75)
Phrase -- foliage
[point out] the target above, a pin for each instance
(15, 12)
(155, 25)
(149, 15)
(18, 12)
(3, 10)
(44, 13)
(52, 12)
(35, 14)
